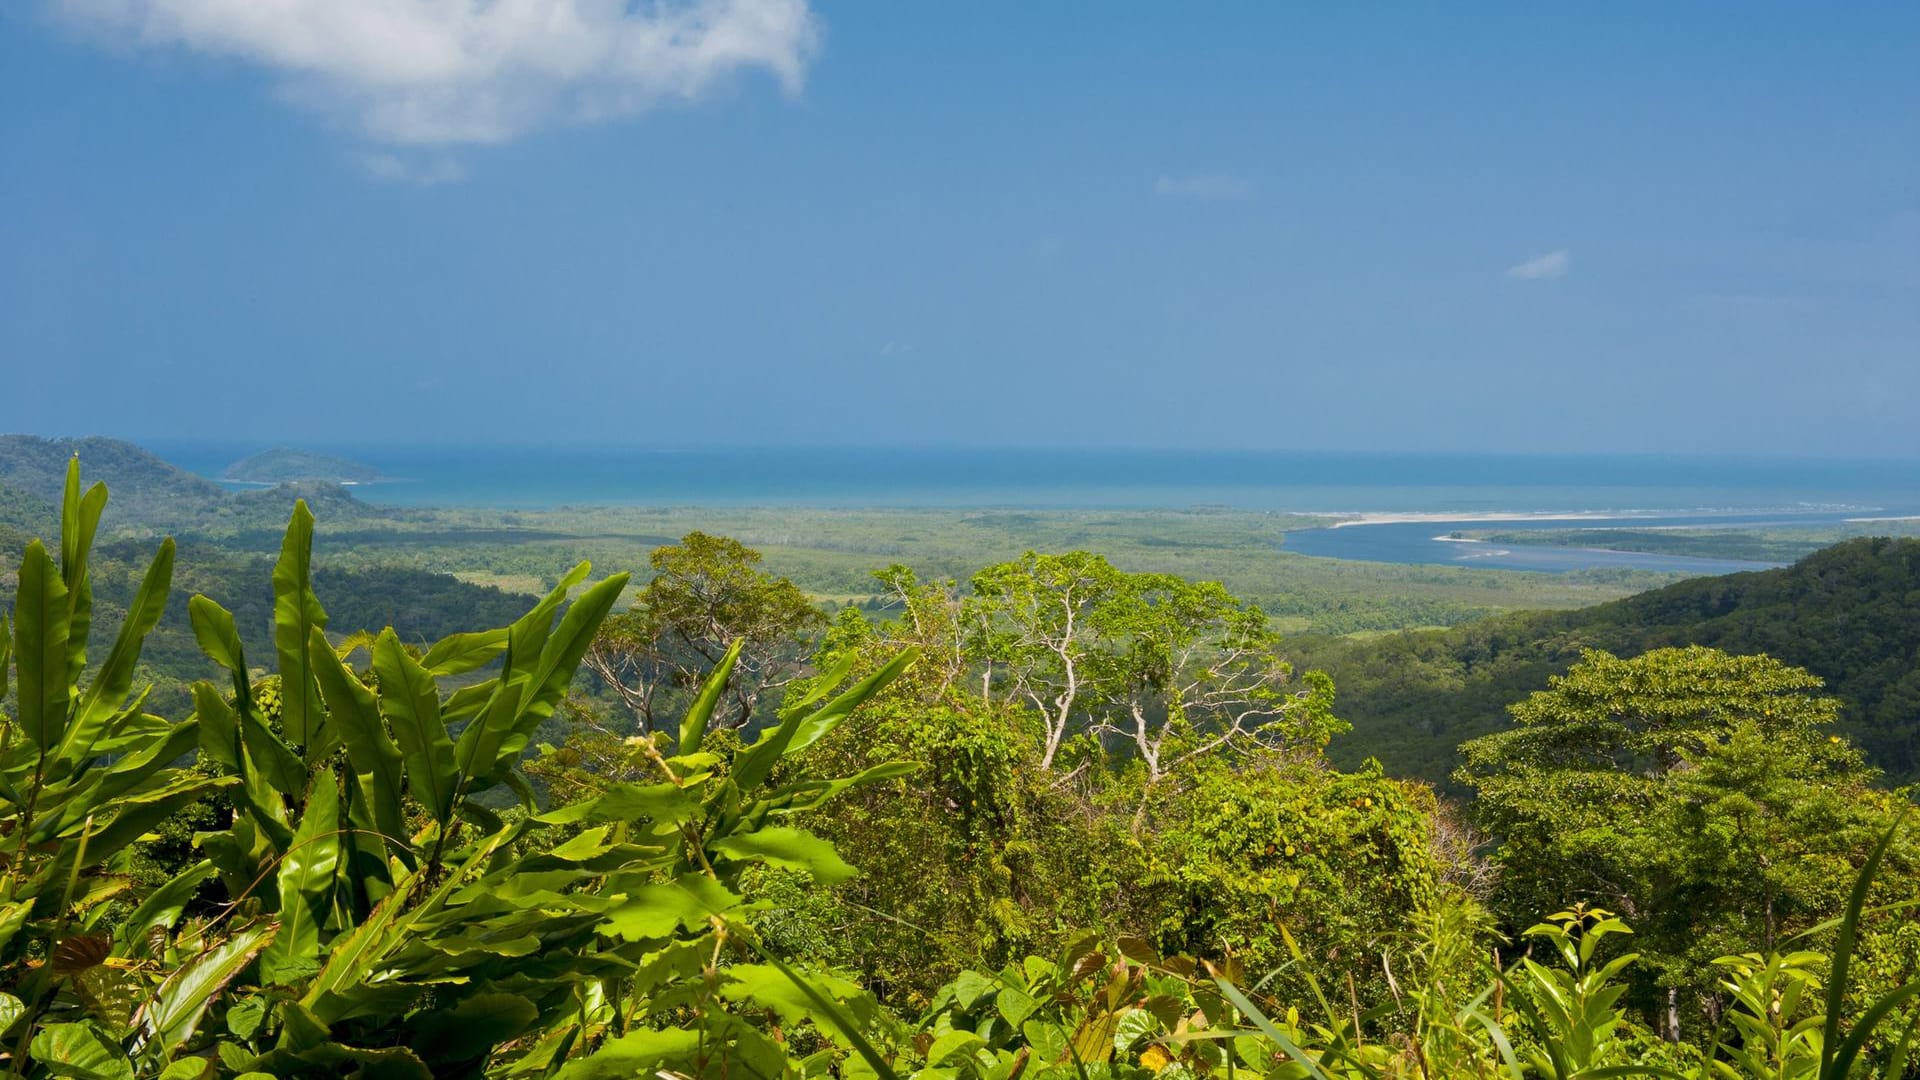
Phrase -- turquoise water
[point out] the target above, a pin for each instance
(570, 476)
(1657, 490)
(1427, 542)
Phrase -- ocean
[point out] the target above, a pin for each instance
(1649, 490)
(548, 476)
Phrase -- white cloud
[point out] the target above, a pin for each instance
(426, 72)
(1214, 186)
(1554, 264)
(427, 172)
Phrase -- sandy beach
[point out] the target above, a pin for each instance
(1362, 518)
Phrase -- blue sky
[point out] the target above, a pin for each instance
(1661, 228)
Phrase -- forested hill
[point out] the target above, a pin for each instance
(39, 467)
(1849, 613)
(283, 466)
(149, 493)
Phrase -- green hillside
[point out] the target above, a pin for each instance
(151, 494)
(283, 465)
(1849, 613)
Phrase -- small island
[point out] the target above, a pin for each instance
(282, 466)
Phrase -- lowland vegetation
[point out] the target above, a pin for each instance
(1045, 818)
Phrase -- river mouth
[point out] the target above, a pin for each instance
(1433, 540)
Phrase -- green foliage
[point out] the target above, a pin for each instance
(1777, 544)
(1124, 1012)
(708, 601)
(1248, 858)
(1099, 748)
(1846, 614)
(283, 465)
(380, 917)
(84, 773)
(1699, 793)
(358, 878)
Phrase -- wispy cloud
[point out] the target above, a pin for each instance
(414, 72)
(1206, 186)
(1554, 264)
(394, 169)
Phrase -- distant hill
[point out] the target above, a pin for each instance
(22, 517)
(148, 493)
(25, 510)
(38, 467)
(1849, 613)
(288, 466)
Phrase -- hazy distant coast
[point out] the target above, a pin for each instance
(1397, 518)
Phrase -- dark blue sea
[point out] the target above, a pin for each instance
(1657, 490)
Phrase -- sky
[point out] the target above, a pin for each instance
(1630, 227)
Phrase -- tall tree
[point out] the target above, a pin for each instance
(1699, 794)
(1186, 670)
(707, 594)
(1037, 630)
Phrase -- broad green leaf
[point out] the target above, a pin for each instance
(637, 1053)
(1015, 1005)
(351, 957)
(136, 814)
(586, 845)
(471, 1028)
(273, 758)
(953, 1042)
(13, 917)
(81, 1051)
(494, 741)
(820, 686)
(114, 681)
(526, 643)
(273, 771)
(655, 911)
(296, 615)
(219, 638)
(817, 725)
(40, 636)
(79, 521)
(666, 804)
(219, 729)
(768, 986)
(756, 762)
(145, 752)
(846, 1026)
(815, 793)
(182, 1000)
(693, 729)
(411, 702)
(465, 703)
(162, 907)
(458, 654)
(376, 758)
(1267, 1028)
(527, 637)
(98, 711)
(305, 880)
(794, 848)
(1836, 986)
(11, 1010)
(245, 1016)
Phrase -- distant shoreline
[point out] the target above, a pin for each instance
(1415, 517)
(230, 482)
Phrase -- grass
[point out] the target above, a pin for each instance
(1774, 544)
(832, 554)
